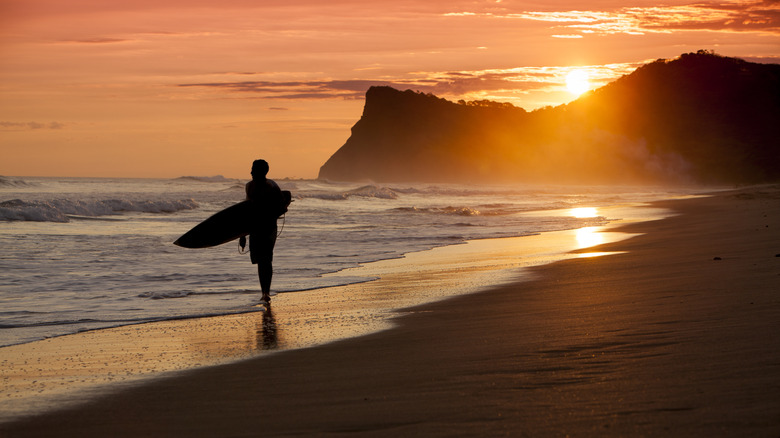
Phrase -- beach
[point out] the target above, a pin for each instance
(677, 333)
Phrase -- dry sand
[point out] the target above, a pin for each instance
(663, 340)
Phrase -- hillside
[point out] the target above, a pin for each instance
(698, 118)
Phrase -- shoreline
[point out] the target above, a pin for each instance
(652, 340)
(48, 374)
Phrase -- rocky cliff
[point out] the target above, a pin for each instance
(698, 118)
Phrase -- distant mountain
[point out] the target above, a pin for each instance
(698, 118)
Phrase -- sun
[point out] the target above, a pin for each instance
(577, 82)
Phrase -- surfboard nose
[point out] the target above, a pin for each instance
(186, 241)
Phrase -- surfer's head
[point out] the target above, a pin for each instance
(259, 169)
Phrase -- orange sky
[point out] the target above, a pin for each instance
(165, 88)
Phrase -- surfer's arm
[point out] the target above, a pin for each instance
(248, 189)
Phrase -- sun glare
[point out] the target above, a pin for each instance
(577, 82)
(589, 236)
(584, 212)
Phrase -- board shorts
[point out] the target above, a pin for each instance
(261, 244)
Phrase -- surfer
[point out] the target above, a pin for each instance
(268, 200)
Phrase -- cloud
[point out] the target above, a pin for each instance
(97, 41)
(725, 16)
(763, 59)
(516, 81)
(29, 126)
(450, 84)
(344, 89)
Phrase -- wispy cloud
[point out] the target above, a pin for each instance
(726, 16)
(453, 84)
(295, 89)
(97, 40)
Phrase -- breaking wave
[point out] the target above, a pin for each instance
(373, 192)
(369, 191)
(63, 210)
(13, 182)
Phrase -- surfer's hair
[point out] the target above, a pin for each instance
(260, 168)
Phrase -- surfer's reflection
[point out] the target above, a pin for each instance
(266, 331)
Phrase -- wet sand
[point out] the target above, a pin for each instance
(677, 335)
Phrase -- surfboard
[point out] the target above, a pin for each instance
(226, 225)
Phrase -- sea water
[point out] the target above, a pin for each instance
(87, 253)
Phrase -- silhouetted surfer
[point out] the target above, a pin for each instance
(269, 205)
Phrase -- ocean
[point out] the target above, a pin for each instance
(89, 253)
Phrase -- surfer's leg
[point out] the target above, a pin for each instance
(261, 245)
(264, 272)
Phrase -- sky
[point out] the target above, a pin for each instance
(168, 88)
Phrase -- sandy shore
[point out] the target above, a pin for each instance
(59, 372)
(677, 336)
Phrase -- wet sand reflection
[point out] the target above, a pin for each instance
(266, 331)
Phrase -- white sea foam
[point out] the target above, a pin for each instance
(207, 179)
(458, 211)
(62, 210)
(160, 295)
